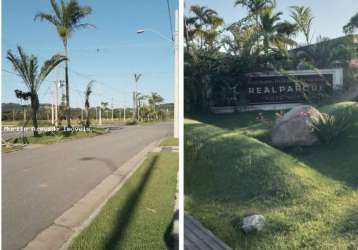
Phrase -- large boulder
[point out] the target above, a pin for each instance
(295, 127)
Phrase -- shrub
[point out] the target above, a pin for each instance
(131, 122)
(330, 127)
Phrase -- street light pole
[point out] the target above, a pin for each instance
(176, 90)
(175, 43)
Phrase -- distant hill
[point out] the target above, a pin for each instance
(6, 107)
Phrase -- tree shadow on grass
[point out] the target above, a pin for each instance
(337, 161)
(348, 225)
(131, 202)
(239, 169)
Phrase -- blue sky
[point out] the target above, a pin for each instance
(110, 53)
(330, 15)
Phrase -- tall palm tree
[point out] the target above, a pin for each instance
(350, 27)
(275, 35)
(303, 19)
(88, 92)
(135, 96)
(66, 17)
(27, 68)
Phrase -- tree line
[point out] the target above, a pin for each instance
(66, 18)
(218, 56)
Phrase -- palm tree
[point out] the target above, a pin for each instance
(350, 27)
(88, 92)
(104, 106)
(255, 7)
(140, 100)
(303, 19)
(155, 98)
(27, 68)
(66, 18)
(202, 25)
(135, 96)
(275, 35)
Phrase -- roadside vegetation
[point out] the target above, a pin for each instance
(309, 195)
(218, 55)
(56, 136)
(136, 217)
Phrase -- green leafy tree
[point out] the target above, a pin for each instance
(27, 68)
(66, 18)
(352, 25)
(303, 19)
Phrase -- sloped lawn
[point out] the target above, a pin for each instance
(309, 196)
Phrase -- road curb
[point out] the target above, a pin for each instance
(68, 225)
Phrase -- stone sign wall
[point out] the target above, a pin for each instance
(284, 90)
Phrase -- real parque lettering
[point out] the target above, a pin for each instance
(264, 89)
(284, 89)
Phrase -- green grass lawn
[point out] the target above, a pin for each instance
(139, 216)
(54, 137)
(309, 195)
(170, 141)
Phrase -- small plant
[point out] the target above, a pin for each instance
(330, 127)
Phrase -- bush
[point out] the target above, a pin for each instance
(131, 122)
(330, 127)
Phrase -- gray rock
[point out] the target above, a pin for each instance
(295, 127)
(253, 223)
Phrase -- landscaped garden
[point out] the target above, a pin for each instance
(308, 194)
(139, 215)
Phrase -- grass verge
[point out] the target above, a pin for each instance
(170, 141)
(139, 215)
(309, 195)
(54, 137)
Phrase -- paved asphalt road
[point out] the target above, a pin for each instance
(39, 184)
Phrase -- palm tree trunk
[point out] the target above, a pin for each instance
(34, 107)
(34, 123)
(87, 118)
(68, 109)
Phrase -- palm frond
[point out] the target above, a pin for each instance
(47, 17)
(47, 67)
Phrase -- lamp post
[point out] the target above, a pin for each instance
(175, 43)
